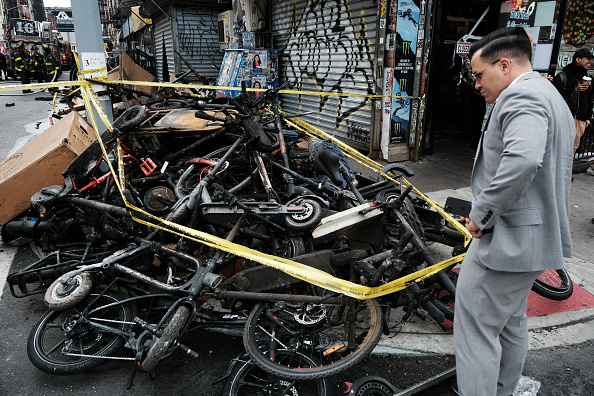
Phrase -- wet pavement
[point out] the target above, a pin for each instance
(554, 336)
(560, 353)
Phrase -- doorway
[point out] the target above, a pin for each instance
(455, 109)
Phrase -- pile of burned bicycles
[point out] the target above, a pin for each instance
(157, 219)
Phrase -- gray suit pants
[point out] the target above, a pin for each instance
(490, 328)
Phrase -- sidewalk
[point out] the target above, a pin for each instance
(447, 173)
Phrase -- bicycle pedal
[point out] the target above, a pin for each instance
(189, 351)
(145, 325)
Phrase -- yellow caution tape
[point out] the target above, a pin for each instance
(92, 71)
(298, 270)
(223, 88)
(371, 164)
(40, 86)
(82, 82)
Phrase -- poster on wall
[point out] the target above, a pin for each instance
(387, 109)
(231, 73)
(539, 18)
(260, 61)
(404, 68)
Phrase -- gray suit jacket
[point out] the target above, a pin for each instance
(522, 177)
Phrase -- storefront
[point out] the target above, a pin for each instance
(385, 76)
(455, 110)
(184, 36)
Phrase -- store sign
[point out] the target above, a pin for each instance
(462, 48)
(25, 27)
(64, 21)
(539, 19)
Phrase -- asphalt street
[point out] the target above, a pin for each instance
(561, 353)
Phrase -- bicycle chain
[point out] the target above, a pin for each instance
(97, 357)
(113, 321)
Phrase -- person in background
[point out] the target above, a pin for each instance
(520, 213)
(52, 66)
(257, 86)
(3, 66)
(257, 62)
(21, 66)
(37, 65)
(573, 84)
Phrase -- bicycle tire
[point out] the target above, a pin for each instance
(167, 340)
(371, 387)
(233, 173)
(168, 104)
(554, 285)
(48, 334)
(247, 379)
(131, 118)
(291, 246)
(73, 74)
(321, 339)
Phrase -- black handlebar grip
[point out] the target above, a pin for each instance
(239, 107)
(398, 201)
(204, 116)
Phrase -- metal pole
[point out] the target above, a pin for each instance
(376, 104)
(91, 52)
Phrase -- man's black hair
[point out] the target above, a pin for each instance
(582, 53)
(507, 42)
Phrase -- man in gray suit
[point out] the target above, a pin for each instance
(520, 214)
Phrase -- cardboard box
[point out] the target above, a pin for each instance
(128, 70)
(40, 163)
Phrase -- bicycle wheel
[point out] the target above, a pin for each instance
(235, 171)
(168, 104)
(248, 379)
(291, 246)
(372, 386)
(67, 342)
(337, 336)
(167, 340)
(307, 220)
(131, 118)
(554, 285)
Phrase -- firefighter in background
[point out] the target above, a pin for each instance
(21, 66)
(37, 65)
(52, 66)
(3, 67)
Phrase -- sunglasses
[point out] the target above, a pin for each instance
(478, 75)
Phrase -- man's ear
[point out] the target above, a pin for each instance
(505, 65)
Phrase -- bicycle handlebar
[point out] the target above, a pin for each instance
(204, 116)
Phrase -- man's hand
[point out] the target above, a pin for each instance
(583, 86)
(474, 230)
